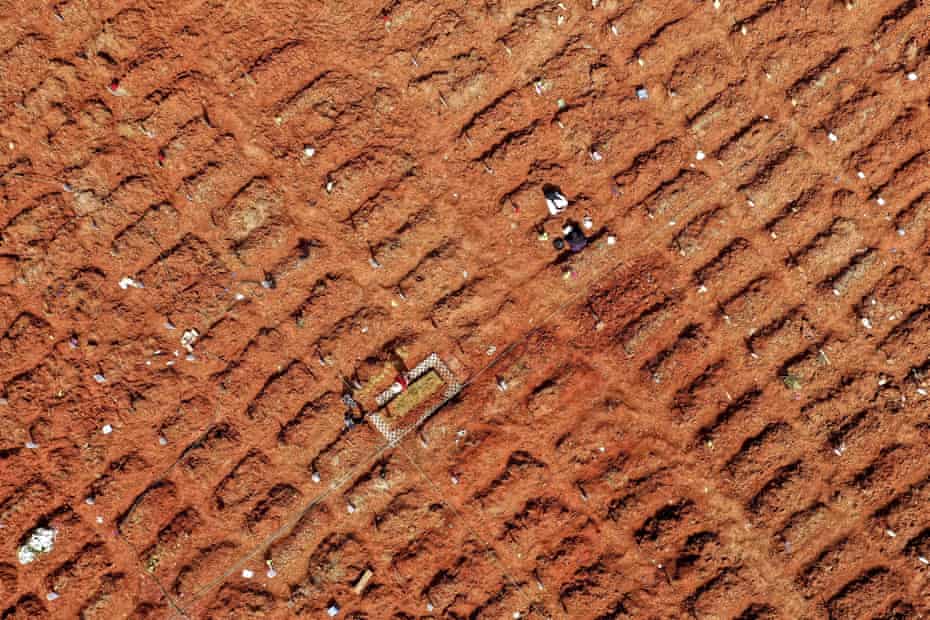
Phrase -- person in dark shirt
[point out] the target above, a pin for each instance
(573, 238)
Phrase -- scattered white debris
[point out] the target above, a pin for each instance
(880, 201)
(699, 155)
(614, 30)
(126, 282)
(840, 449)
(501, 384)
(309, 151)
(596, 156)
(491, 350)
(588, 222)
(866, 323)
(891, 533)
(642, 94)
(716, 5)
(51, 596)
(162, 441)
(99, 378)
(99, 520)
(41, 540)
(923, 560)
(860, 174)
(333, 610)
(239, 296)
(31, 445)
(912, 76)
(268, 283)
(922, 391)
(169, 325)
(330, 185)
(743, 30)
(271, 573)
(516, 615)
(107, 429)
(455, 480)
(350, 507)
(188, 339)
(429, 606)
(315, 476)
(247, 574)
(374, 263)
(611, 240)
(89, 500)
(832, 137)
(901, 232)
(702, 289)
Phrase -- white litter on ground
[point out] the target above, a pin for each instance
(309, 151)
(832, 137)
(247, 574)
(642, 94)
(31, 445)
(51, 596)
(126, 282)
(107, 429)
(42, 540)
(912, 76)
(332, 611)
(99, 378)
(699, 155)
(188, 339)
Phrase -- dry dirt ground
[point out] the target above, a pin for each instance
(721, 415)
